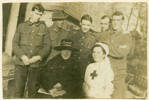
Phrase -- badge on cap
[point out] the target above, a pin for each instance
(40, 34)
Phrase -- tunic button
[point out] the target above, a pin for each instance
(31, 51)
(83, 37)
(32, 31)
(80, 50)
(78, 57)
(81, 43)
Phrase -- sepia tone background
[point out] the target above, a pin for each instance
(135, 23)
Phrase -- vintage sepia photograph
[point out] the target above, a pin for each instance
(74, 50)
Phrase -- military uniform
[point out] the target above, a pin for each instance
(56, 34)
(65, 72)
(84, 42)
(103, 36)
(120, 45)
(31, 39)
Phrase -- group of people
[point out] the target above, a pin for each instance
(87, 64)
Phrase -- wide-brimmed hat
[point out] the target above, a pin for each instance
(104, 46)
(66, 44)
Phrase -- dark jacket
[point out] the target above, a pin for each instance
(66, 72)
(31, 40)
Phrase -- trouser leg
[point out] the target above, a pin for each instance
(20, 80)
(120, 88)
(119, 67)
(33, 82)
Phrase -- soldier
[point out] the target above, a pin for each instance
(105, 24)
(57, 33)
(31, 45)
(120, 44)
(84, 39)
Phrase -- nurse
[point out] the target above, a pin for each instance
(99, 74)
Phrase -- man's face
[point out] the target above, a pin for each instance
(117, 22)
(36, 16)
(66, 54)
(85, 25)
(105, 23)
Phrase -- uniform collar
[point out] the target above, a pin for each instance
(116, 32)
(82, 33)
(55, 27)
(30, 23)
(108, 30)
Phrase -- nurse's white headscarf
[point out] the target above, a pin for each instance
(104, 46)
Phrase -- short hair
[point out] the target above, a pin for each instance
(105, 16)
(38, 7)
(86, 17)
(118, 13)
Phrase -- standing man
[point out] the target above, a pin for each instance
(31, 45)
(120, 44)
(55, 30)
(105, 24)
(83, 39)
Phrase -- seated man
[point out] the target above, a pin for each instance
(61, 76)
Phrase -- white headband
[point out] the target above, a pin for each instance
(105, 46)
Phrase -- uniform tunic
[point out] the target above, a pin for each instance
(103, 36)
(120, 45)
(98, 80)
(56, 35)
(84, 42)
(30, 39)
(66, 72)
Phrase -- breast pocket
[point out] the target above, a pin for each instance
(24, 39)
(89, 42)
(38, 41)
